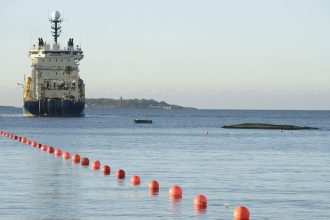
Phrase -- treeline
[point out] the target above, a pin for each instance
(129, 103)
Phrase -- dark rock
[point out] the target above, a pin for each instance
(267, 126)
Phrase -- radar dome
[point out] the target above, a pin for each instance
(56, 15)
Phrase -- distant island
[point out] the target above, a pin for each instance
(130, 103)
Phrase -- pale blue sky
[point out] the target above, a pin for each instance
(206, 54)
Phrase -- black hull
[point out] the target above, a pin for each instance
(54, 108)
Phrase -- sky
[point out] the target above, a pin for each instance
(210, 54)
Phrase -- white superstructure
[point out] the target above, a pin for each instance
(55, 72)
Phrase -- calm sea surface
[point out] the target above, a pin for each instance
(277, 175)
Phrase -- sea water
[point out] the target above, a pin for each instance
(276, 174)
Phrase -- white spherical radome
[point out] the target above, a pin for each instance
(56, 15)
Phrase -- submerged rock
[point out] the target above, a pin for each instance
(267, 126)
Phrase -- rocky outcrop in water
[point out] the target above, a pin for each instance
(267, 126)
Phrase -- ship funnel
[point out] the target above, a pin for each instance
(40, 42)
(70, 43)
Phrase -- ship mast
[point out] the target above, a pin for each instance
(56, 21)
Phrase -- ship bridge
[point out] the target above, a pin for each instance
(44, 50)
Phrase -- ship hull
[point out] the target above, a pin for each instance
(54, 108)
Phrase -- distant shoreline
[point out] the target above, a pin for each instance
(221, 109)
(3, 106)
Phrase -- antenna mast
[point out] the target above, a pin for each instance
(56, 27)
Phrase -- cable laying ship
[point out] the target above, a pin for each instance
(54, 87)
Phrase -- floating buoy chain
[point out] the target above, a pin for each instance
(175, 192)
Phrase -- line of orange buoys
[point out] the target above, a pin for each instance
(175, 192)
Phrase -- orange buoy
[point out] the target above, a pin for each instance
(44, 148)
(241, 213)
(154, 185)
(85, 161)
(35, 144)
(75, 158)
(135, 180)
(58, 152)
(120, 174)
(23, 140)
(50, 150)
(200, 201)
(66, 155)
(96, 165)
(175, 192)
(106, 170)
(28, 142)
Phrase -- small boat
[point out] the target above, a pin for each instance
(142, 121)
